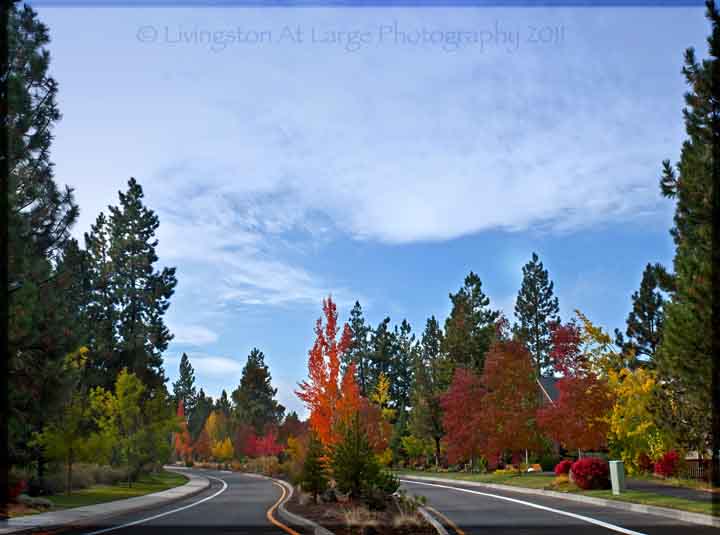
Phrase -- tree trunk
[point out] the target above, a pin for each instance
(68, 476)
(437, 453)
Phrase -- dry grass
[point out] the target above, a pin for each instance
(404, 520)
(359, 517)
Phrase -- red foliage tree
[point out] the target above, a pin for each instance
(510, 403)
(202, 447)
(462, 406)
(183, 441)
(575, 420)
(244, 443)
(328, 399)
(267, 445)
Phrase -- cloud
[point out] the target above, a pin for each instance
(208, 366)
(192, 335)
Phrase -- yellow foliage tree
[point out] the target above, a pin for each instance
(223, 450)
(381, 397)
(216, 427)
(633, 430)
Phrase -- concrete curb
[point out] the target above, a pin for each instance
(432, 521)
(292, 518)
(80, 516)
(675, 514)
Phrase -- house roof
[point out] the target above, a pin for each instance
(549, 388)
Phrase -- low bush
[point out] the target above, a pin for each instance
(548, 462)
(563, 467)
(591, 473)
(668, 464)
(644, 463)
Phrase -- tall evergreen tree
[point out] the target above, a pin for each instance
(383, 347)
(645, 320)
(201, 411)
(359, 351)
(470, 328)
(536, 308)
(430, 382)
(685, 355)
(223, 404)
(184, 387)
(39, 215)
(254, 398)
(401, 369)
(142, 293)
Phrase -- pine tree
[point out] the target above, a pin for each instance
(184, 387)
(313, 476)
(142, 293)
(685, 356)
(430, 382)
(359, 351)
(383, 347)
(401, 376)
(201, 411)
(223, 404)
(536, 309)
(645, 320)
(254, 398)
(39, 215)
(470, 328)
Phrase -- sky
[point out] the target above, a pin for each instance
(376, 155)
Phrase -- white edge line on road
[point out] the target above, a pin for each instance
(587, 519)
(166, 513)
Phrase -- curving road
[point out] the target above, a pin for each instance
(479, 511)
(234, 504)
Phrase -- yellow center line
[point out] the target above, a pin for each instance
(449, 522)
(270, 512)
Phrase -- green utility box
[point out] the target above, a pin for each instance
(617, 476)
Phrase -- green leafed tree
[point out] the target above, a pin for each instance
(254, 398)
(470, 328)
(685, 354)
(202, 409)
(536, 309)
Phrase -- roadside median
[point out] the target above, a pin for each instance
(80, 516)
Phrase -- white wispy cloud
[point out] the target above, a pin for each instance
(192, 335)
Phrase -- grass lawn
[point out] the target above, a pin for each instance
(543, 481)
(108, 493)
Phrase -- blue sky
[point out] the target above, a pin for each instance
(375, 154)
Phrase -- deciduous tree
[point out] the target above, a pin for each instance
(322, 392)
(462, 418)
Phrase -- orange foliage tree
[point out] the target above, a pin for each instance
(577, 419)
(183, 442)
(329, 399)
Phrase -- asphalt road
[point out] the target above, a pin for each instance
(478, 511)
(234, 504)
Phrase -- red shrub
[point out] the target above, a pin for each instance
(591, 473)
(645, 463)
(16, 488)
(563, 467)
(667, 466)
